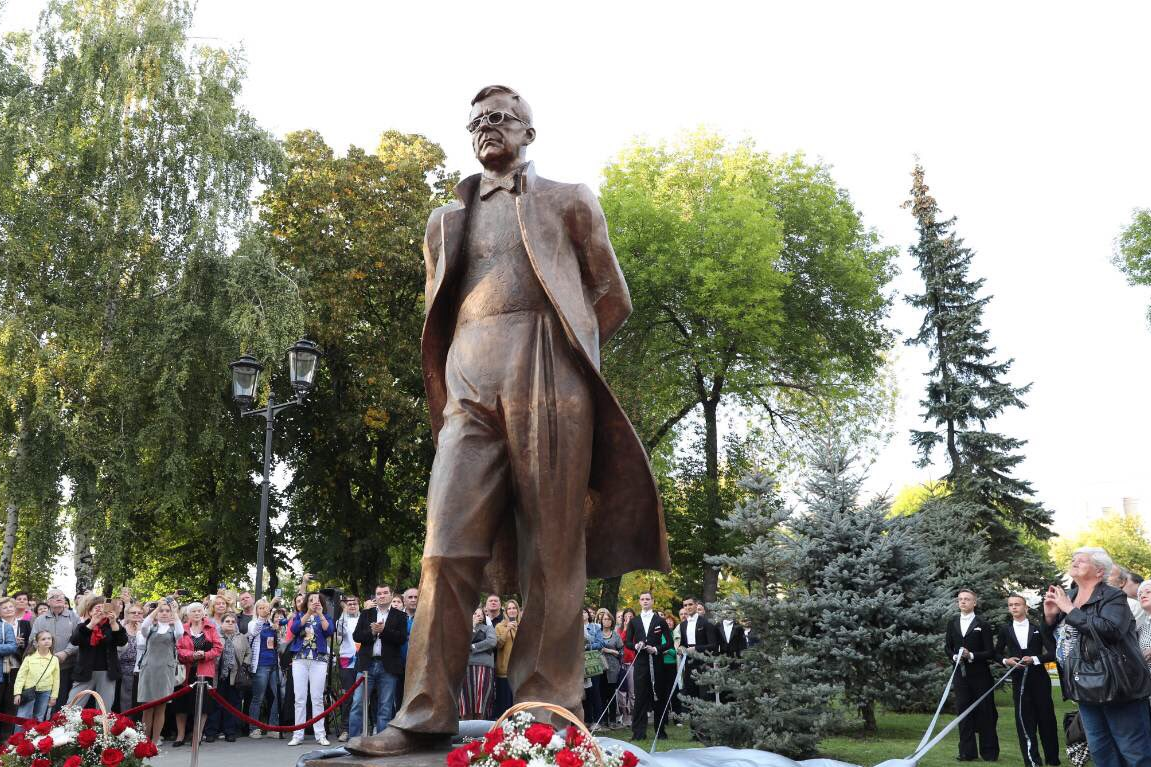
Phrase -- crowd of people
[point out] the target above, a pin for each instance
(285, 662)
(1098, 633)
(282, 662)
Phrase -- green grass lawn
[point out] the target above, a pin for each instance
(897, 738)
(899, 734)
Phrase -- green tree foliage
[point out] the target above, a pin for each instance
(966, 390)
(349, 230)
(774, 697)
(132, 164)
(1133, 250)
(1123, 535)
(755, 284)
(849, 586)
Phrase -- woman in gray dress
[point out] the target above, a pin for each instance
(157, 679)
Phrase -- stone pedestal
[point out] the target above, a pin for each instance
(426, 759)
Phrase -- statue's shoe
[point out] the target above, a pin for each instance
(393, 742)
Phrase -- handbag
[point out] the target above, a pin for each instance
(593, 664)
(1077, 751)
(243, 677)
(1108, 674)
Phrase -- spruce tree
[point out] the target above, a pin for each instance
(774, 697)
(967, 389)
(848, 588)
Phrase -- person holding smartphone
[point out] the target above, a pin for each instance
(97, 640)
(309, 632)
(262, 637)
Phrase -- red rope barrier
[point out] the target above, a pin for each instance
(223, 703)
(25, 723)
(180, 691)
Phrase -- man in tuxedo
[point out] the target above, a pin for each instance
(697, 633)
(970, 641)
(381, 632)
(1021, 646)
(650, 637)
(732, 638)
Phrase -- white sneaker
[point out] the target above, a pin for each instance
(256, 734)
(296, 740)
(322, 740)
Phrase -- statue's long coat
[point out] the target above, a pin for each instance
(565, 235)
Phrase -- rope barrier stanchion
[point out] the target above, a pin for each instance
(224, 704)
(198, 721)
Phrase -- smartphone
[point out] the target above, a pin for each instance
(181, 592)
(279, 592)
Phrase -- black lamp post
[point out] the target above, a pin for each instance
(303, 360)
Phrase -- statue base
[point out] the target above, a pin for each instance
(422, 759)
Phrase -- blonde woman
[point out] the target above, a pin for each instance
(505, 639)
(160, 632)
(197, 648)
(262, 638)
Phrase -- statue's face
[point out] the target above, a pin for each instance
(497, 147)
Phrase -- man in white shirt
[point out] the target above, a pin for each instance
(1021, 646)
(345, 628)
(970, 641)
(699, 634)
(649, 636)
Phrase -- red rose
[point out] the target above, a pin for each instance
(539, 734)
(574, 738)
(25, 748)
(73, 761)
(14, 740)
(493, 739)
(122, 723)
(58, 718)
(513, 763)
(566, 758)
(629, 759)
(44, 728)
(45, 745)
(111, 757)
(41, 762)
(85, 738)
(145, 749)
(459, 757)
(88, 715)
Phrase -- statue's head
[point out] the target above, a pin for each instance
(501, 128)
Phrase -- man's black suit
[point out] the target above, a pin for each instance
(1031, 691)
(393, 636)
(706, 641)
(972, 680)
(644, 682)
(735, 646)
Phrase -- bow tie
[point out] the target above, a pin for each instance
(489, 185)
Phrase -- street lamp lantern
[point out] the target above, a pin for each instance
(245, 378)
(303, 359)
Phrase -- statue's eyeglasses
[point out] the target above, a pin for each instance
(493, 118)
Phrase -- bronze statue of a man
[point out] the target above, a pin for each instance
(539, 480)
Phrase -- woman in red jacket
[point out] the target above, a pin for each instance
(198, 648)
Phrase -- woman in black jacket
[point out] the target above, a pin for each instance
(1113, 708)
(97, 640)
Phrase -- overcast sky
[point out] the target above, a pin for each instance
(1031, 119)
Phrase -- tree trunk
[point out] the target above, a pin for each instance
(609, 594)
(9, 550)
(83, 563)
(867, 713)
(712, 530)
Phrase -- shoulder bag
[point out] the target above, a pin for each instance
(1108, 673)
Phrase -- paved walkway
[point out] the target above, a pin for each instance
(245, 751)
